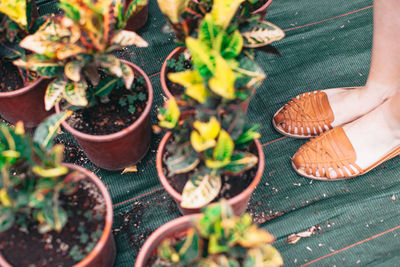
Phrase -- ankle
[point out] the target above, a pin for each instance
(379, 91)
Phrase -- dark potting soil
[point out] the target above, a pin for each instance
(174, 88)
(10, 78)
(232, 185)
(112, 117)
(86, 212)
(73, 153)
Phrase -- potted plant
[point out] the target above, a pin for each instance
(52, 213)
(21, 92)
(215, 238)
(111, 97)
(212, 152)
(186, 17)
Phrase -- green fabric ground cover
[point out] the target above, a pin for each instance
(356, 219)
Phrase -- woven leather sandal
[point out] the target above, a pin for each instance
(332, 150)
(307, 115)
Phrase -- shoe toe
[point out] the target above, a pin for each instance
(298, 161)
(279, 118)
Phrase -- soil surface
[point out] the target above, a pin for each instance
(72, 152)
(232, 185)
(174, 88)
(10, 78)
(86, 212)
(111, 117)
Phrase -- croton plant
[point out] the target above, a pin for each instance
(220, 239)
(211, 137)
(32, 177)
(76, 49)
(185, 16)
(16, 22)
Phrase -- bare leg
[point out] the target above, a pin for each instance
(384, 76)
(377, 132)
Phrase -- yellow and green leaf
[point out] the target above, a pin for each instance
(15, 10)
(173, 9)
(169, 116)
(222, 152)
(223, 82)
(224, 10)
(193, 83)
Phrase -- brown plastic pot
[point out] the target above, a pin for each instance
(122, 149)
(137, 21)
(103, 254)
(25, 104)
(163, 78)
(168, 230)
(239, 203)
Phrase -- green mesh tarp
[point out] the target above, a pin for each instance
(327, 45)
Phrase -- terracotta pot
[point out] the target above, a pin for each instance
(239, 202)
(262, 11)
(163, 78)
(103, 254)
(168, 230)
(136, 22)
(25, 104)
(122, 149)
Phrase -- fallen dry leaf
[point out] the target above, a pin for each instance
(130, 169)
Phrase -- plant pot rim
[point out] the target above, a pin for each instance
(22, 90)
(163, 73)
(263, 7)
(232, 201)
(123, 132)
(108, 218)
(145, 249)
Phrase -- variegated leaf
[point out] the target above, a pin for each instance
(65, 51)
(46, 131)
(183, 162)
(106, 86)
(241, 162)
(200, 190)
(75, 93)
(128, 38)
(135, 7)
(54, 93)
(262, 34)
(45, 68)
(111, 64)
(73, 70)
(127, 75)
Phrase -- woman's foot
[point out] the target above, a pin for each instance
(353, 149)
(313, 113)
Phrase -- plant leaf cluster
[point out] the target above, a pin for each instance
(32, 177)
(76, 48)
(220, 239)
(15, 22)
(211, 136)
(185, 16)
